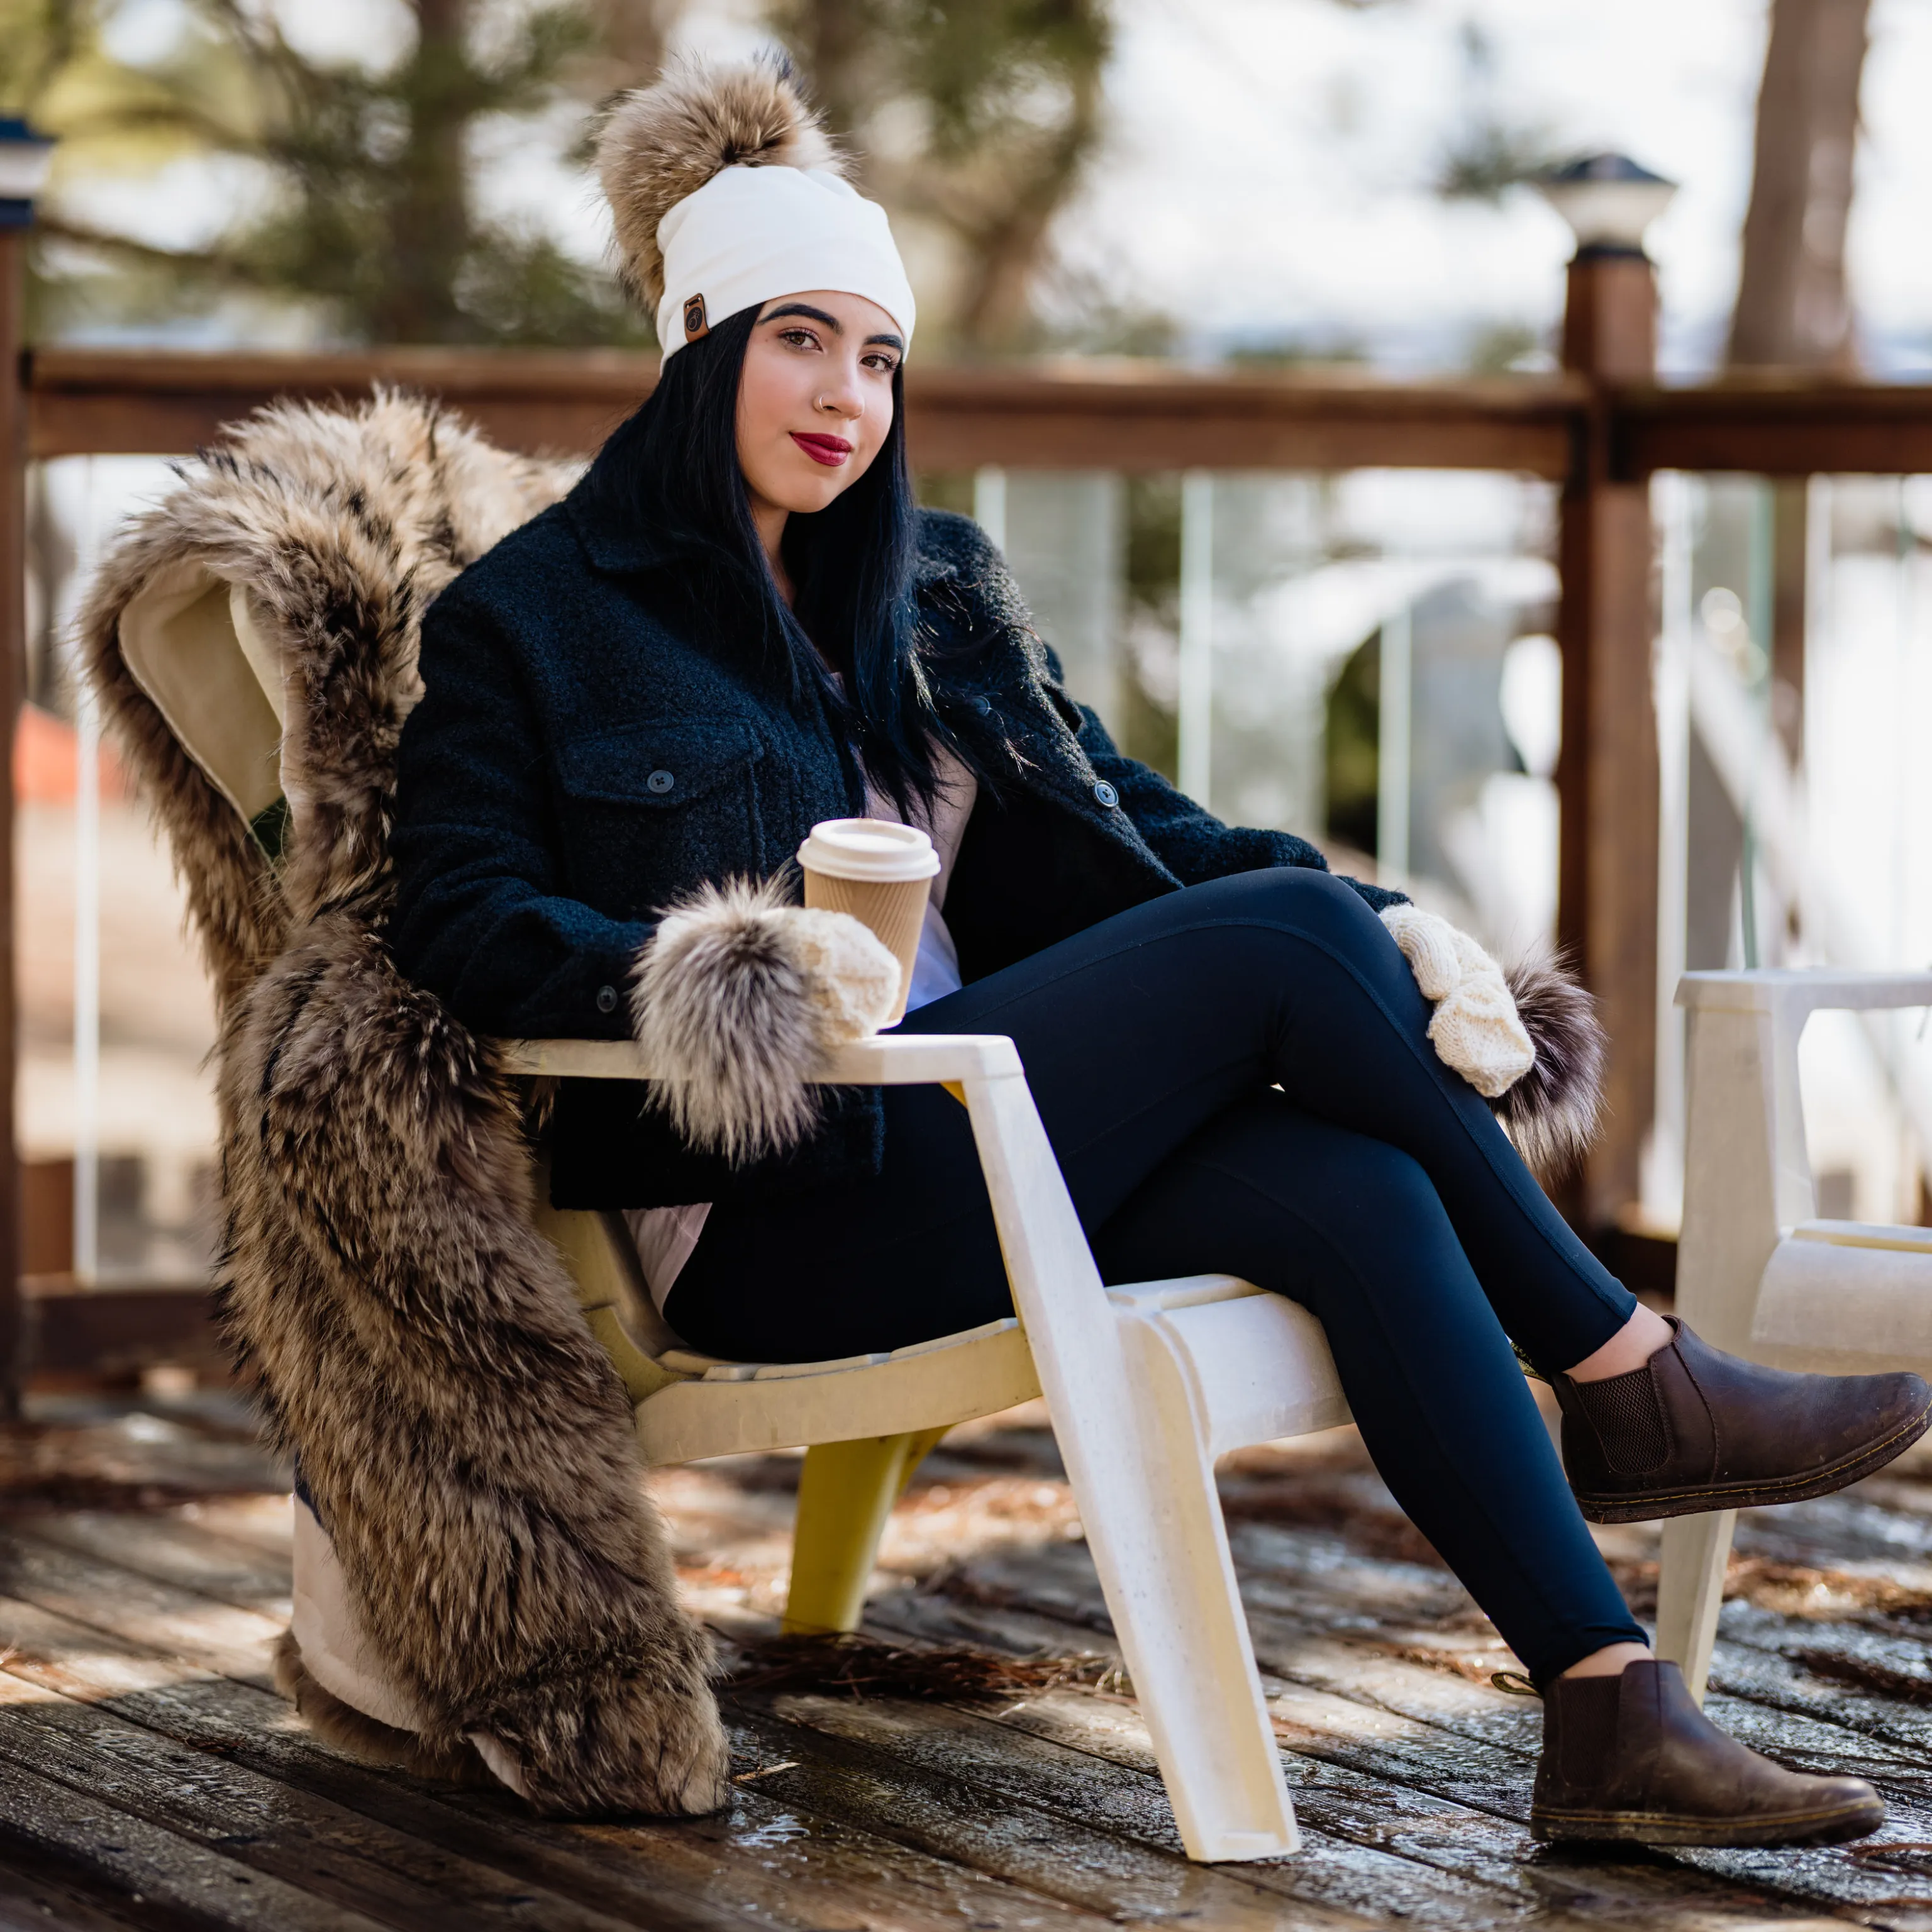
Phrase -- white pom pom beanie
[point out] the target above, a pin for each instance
(726, 193)
(749, 234)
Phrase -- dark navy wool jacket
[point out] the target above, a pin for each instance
(589, 749)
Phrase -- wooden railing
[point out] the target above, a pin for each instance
(1134, 417)
(1076, 416)
(1598, 431)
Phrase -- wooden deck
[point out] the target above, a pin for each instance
(149, 1776)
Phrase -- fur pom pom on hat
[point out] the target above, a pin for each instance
(726, 191)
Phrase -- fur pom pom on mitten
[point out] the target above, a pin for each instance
(1476, 1029)
(739, 1001)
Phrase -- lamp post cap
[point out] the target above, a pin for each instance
(25, 159)
(1609, 201)
(1605, 167)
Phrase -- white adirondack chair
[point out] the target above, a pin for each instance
(1145, 1387)
(1758, 1273)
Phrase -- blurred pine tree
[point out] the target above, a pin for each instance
(360, 212)
(977, 119)
(351, 182)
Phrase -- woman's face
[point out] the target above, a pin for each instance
(815, 400)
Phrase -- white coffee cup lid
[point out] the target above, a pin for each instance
(869, 849)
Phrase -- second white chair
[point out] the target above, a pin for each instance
(1758, 1273)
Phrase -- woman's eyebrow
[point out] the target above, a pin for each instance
(831, 322)
(884, 341)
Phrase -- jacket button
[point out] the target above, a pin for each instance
(660, 781)
(1105, 794)
(607, 999)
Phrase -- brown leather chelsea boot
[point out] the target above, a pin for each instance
(1633, 1757)
(1695, 1428)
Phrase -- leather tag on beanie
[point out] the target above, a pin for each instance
(695, 323)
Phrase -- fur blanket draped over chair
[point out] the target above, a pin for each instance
(468, 1446)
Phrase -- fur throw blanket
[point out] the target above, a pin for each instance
(468, 1445)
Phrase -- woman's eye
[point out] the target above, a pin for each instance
(798, 338)
(884, 364)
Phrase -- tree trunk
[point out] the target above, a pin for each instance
(1006, 253)
(1792, 306)
(1794, 309)
(430, 224)
(835, 40)
(632, 38)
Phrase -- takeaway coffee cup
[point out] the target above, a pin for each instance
(880, 873)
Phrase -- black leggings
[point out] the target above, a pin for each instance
(1374, 1187)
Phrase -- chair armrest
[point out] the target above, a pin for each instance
(1747, 1171)
(1787, 993)
(909, 1059)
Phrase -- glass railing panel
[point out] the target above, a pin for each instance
(1238, 631)
(115, 1109)
(1795, 688)
(1064, 535)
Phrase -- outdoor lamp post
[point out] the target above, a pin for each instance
(24, 158)
(1609, 322)
(1608, 200)
(1607, 775)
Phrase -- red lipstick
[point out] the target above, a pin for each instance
(829, 450)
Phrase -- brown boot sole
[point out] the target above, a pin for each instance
(1829, 1827)
(1755, 1495)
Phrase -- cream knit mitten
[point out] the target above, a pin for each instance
(1476, 1029)
(853, 975)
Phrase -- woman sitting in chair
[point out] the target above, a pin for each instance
(738, 624)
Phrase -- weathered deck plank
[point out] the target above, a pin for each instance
(135, 1710)
(759, 1862)
(1056, 1771)
(1340, 1870)
(197, 1559)
(942, 1810)
(1415, 1744)
(38, 1891)
(1367, 1774)
(179, 1550)
(172, 1622)
(1346, 1642)
(150, 1866)
(1086, 1869)
(1389, 1815)
(273, 1827)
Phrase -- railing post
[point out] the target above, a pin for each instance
(1607, 776)
(23, 162)
(1194, 752)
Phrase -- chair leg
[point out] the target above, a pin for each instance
(845, 1493)
(1690, 1592)
(1142, 1465)
(1176, 1608)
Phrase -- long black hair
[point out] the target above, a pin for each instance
(674, 465)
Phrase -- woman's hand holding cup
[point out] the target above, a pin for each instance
(879, 872)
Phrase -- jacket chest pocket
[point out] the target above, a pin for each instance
(651, 811)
